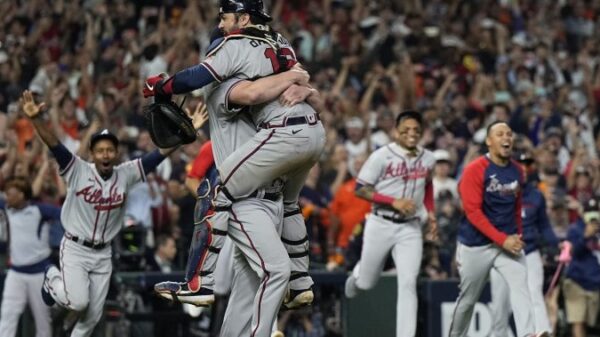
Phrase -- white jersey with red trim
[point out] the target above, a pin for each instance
(396, 174)
(94, 208)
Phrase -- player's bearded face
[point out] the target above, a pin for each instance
(500, 141)
(104, 154)
(229, 22)
(409, 134)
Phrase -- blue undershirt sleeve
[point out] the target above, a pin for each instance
(192, 78)
(151, 160)
(62, 155)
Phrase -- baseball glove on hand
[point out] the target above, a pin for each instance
(168, 124)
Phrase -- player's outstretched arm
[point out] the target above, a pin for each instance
(33, 112)
(267, 88)
(184, 81)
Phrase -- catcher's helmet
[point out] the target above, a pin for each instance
(252, 7)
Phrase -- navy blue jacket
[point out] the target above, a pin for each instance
(536, 226)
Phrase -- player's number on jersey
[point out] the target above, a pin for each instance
(272, 56)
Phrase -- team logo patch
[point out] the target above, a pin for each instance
(502, 189)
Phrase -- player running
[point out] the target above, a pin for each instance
(535, 227)
(489, 235)
(92, 215)
(397, 180)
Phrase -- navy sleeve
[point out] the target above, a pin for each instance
(575, 236)
(62, 155)
(151, 160)
(544, 224)
(49, 212)
(192, 78)
(2, 203)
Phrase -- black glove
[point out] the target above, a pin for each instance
(168, 125)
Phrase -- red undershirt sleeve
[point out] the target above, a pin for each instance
(471, 191)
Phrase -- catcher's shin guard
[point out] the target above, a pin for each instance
(197, 288)
(199, 247)
(202, 239)
(295, 240)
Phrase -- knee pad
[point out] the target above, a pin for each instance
(204, 208)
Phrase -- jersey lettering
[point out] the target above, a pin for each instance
(284, 52)
(272, 56)
(401, 170)
(94, 196)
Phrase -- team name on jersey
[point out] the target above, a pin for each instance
(94, 196)
(502, 189)
(401, 170)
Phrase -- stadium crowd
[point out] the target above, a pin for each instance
(462, 64)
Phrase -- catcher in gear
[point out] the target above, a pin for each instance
(162, 86)
(208, 237)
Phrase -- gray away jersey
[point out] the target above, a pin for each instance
(229, 129)
(392, 172)
(248, 58)
(94, 208)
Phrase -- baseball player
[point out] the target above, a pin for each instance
(92, 215)
(215, 264)
(489, 235)
(29, 255)
(396, 178)
(256, 52)
(207, 240)
(258, 241)
(535, 226)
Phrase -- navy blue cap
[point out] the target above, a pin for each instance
(104, 134)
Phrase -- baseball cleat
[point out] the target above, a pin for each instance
(51, 271)
(297, 299)
(350, 289)
(179, 292)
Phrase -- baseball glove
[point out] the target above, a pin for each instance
(168, 124)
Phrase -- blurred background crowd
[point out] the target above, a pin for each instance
(464, 64)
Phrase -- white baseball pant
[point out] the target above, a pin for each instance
(500, 297)
(474, 265)
(20, 290)
(82, 284)
(405, 241)
(254, 228)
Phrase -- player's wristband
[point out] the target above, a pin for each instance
(382, 199)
